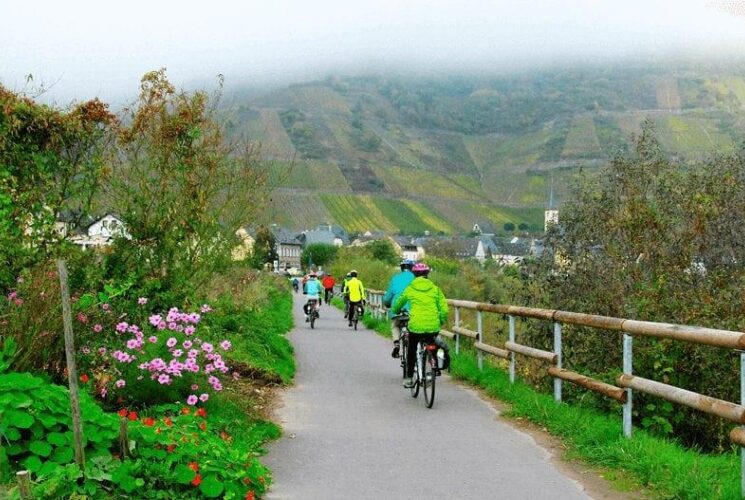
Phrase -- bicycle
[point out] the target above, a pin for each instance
(425, 371)
(356, 313)
(313, 312)
(403, 339)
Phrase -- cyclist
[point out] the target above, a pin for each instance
(345, 294)
(295, 284)
(328, 283)
(312, 289)
(397, 285)
(356, 294)
(428, 311)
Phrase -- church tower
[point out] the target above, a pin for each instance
(551, 215)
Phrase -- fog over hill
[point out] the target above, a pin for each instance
(462, 149)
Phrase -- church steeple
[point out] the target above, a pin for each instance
(551, 215)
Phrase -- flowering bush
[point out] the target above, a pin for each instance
(161, 360)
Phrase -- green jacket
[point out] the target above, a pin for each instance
(428, 309)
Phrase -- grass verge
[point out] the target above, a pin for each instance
(666, 468)
(381, 326)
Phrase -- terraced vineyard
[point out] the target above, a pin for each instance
(454, 149)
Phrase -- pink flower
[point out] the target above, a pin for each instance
(104, 392)
(120, 383)
(171, 342)
(193, 353)
(172, 326)
(194, 387)
(187, 344)
(105, 307)
(194, 318)
(189, 330)
(191, 400)
(12, 295)
(207, 347)
(97, 328)
(204, 397)
(101, 351)
(18, 302)
(225, 345)
(205, 309)
(164, 379)
(236, 376)
(153, 339)
(161, 325)
(142, 301)
(133, 344)
(86, 350)
(82, 318)
(178, 353)
(155, 319)
(122, 327)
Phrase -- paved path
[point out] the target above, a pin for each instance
(353, 432)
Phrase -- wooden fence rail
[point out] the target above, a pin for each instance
(628, 383)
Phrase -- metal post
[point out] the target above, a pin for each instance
(557, 351)
(72, 372)
(742, 402)
(457, 337)
(480, 329)
(628, 343)
(512, 354)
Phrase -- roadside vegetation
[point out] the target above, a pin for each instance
(172, 337)
(645, 238)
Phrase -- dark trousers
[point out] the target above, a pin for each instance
(329, 294)
(353, 310)
(414, 340)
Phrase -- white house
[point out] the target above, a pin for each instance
(101, 232)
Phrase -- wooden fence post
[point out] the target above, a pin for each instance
(24, 484)
(72, 372)
(124, 438)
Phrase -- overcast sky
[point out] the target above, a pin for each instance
(97, 48)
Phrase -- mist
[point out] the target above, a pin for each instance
(81, 48)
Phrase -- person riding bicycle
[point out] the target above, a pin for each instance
(345, 294)
(398, 283)
(428, 311)
(312, 289)
(356, 294)
(295, 284)
(328, 283)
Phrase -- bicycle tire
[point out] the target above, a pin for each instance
(403, 353)
(312, 321)
(429, 377)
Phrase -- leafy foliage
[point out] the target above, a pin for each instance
(318, 253)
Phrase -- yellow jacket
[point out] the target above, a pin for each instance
(355, 290)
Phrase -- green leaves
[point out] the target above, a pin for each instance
(19, 419)
(183, 474)
(41, 448)
(211, 487)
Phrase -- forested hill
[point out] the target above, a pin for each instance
(462, 149)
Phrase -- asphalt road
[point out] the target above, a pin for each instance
(353, 432)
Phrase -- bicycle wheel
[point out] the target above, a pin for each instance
(312, 320)
(402, 352)
(429, 376)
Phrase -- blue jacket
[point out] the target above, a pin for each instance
(313, 289)
(398, 284)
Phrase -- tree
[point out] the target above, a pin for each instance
(180, 186)
(51, 161)
(523, 226)
(383, 251)
(509, 227)
(320, 254)
(264, 248)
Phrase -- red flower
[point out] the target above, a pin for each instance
(84, 378)
(224, 435)
(246, 480)
(194, 466)
(202, 412)
(185, 410)
(250, 495)
(197, 480)
(262, 480)
(168, 421)
(170, 448)
(157, 430)
(132, 415)
(148, 422)
(123, 413)
(203, 426)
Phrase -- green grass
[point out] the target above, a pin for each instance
(402, 216)
(662, 466)
(381, 326)
(258, 335)
(356, 213)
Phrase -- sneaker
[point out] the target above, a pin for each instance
(394, 353)
(408, 383)
(350, 324)
(307, 319)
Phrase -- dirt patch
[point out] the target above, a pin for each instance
(597, 481)
(258, 396)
